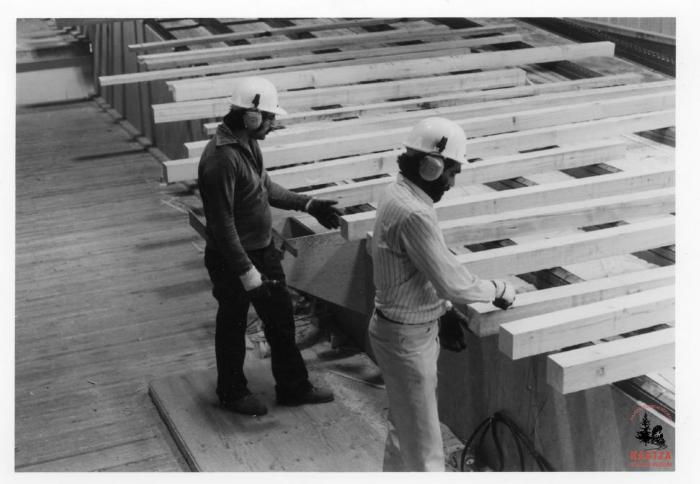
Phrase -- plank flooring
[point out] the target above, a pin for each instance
(111, 293)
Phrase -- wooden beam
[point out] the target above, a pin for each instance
(515, 114)
(506, 225)
(186, 169)
(219, 86)
(340, 24)
(361, 137)
(357, 225)
(617, 360)
(534, 303)
(570, 249)
(567, 327)
(569, 133)
(353, 55)
(486, 170)
(287, 47)
(355, 94)
(336, 170)
(450, 99)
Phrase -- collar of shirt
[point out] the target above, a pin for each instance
(414, 189)
(224, 136)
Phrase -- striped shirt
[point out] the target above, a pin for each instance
(414, 271)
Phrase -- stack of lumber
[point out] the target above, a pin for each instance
(557, 182)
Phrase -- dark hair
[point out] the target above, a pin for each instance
(234, 119)
(408, 163)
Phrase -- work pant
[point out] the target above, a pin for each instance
(277, 315)
(407, 356)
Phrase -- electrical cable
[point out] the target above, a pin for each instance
(519, 438)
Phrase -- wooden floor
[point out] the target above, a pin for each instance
(111, 293)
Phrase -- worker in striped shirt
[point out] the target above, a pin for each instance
(417, 278)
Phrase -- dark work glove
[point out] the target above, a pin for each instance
(324, 211)
(451, 333)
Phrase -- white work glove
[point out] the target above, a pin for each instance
(251, 279)
(504, 295)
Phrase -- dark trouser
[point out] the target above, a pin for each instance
(277, 316)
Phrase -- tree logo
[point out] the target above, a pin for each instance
(649, 436)
(655, 453)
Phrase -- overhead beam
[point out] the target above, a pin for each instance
(219, 86)
(567, 327)
(352, 94)
(489, 319)
(287, 47)
(340, 24)
(544, 121)
(485, 170)
(597, 211)
(570, 249)
(596, 365)
(355, 226)
(449, 99)
(515, 114)
(352, 55)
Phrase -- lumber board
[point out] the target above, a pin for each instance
(515, 131)
(479, 172)
(336, 170)
(596, 211)
(441, 32)
(278, 47)
(570, 249)
(370, 190)
(567, 327)
(348, 95)
(271, 31)
(355, 226)
(596, 365)
(449, 99)
(351, 55)
(219, 86)
(488, 318)
(515, 114)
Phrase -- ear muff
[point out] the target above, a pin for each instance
(430, 167)
(252, 119)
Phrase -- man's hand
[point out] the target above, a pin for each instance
(505, 294)
(324, 211)
(451, 334)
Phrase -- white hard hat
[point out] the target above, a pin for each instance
(439, 136)
(255, 93)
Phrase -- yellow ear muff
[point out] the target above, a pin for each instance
(431, 167)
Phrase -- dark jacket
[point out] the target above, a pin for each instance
(237, 194)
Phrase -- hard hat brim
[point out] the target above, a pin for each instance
(278, 110)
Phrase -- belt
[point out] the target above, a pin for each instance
(381, 315)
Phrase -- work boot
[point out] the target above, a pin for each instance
(246, 405)
(310, 395)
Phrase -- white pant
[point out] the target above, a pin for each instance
(407, 356)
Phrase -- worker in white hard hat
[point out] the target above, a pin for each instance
(242, 261)
(417, 279)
